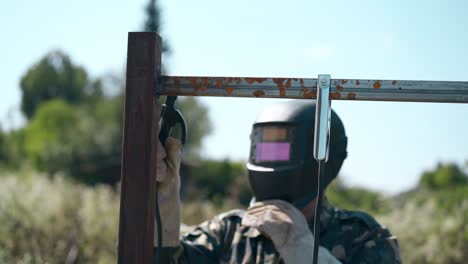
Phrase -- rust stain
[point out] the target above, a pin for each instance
(288, 83)
(339, 88)
(204, 83)
(193, 82)
(229, 90)
(279, 82)
(394, 82)
(308, 93)
(301, 81)
(228, 80)
(335, 95)
(219, 83)
(252, 80)
(358, 82)
(258, 93)
(344, 81)
(351, 96)
(377, 85)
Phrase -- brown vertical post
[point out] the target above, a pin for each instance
(137, 201)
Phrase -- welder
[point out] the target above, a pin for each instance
(277, 226)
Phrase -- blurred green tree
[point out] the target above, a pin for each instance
(153, 22)
(82, 141)
(216, 180)
(198, 126)
(12, 151)
(3, 147)
(444, 176)
(75, 127)
(55, 76)
(49, 134)
(196, 114)
(356, 198)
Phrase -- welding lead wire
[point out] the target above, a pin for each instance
(318, 207)
(159, 227)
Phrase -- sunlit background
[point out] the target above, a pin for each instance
(390, 144)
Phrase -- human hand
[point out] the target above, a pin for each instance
(168, 180)
(287, 227)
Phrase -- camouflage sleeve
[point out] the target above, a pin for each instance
(383, 249)
(205, 244)
(356, 237)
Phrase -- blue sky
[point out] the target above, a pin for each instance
(390, 144)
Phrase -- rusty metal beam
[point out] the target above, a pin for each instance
(341, 89)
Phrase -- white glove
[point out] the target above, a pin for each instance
(287, 227)
(168, 178)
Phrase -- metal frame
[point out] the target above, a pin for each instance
(306, 88)
(144, 85)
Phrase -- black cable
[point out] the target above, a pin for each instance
(159, 227)
(318, 206)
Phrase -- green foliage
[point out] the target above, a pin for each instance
(444, 176)
(74, 128)
(430, 231)
(81, 141)
(12, 150)
(153, 21)
(97, 151)
(53, 219)
(216, 180)
(198, 125)
(3, 146)
(196, 114)
(355, 198)
(56, 221)
(80, 136)
(48, 135)
(55, 76)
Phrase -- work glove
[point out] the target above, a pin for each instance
(287, 227)
(168, 180)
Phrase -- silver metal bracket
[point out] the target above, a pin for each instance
(322, 118)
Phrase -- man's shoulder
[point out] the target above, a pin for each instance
(361, 217)
(358, 226)
(357, 235)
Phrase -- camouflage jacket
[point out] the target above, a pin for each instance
(350, 236)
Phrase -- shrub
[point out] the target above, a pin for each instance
(50, 221)
(429, 232)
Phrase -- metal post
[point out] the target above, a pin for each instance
(137, 202)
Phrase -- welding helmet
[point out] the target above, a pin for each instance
(281, 163)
